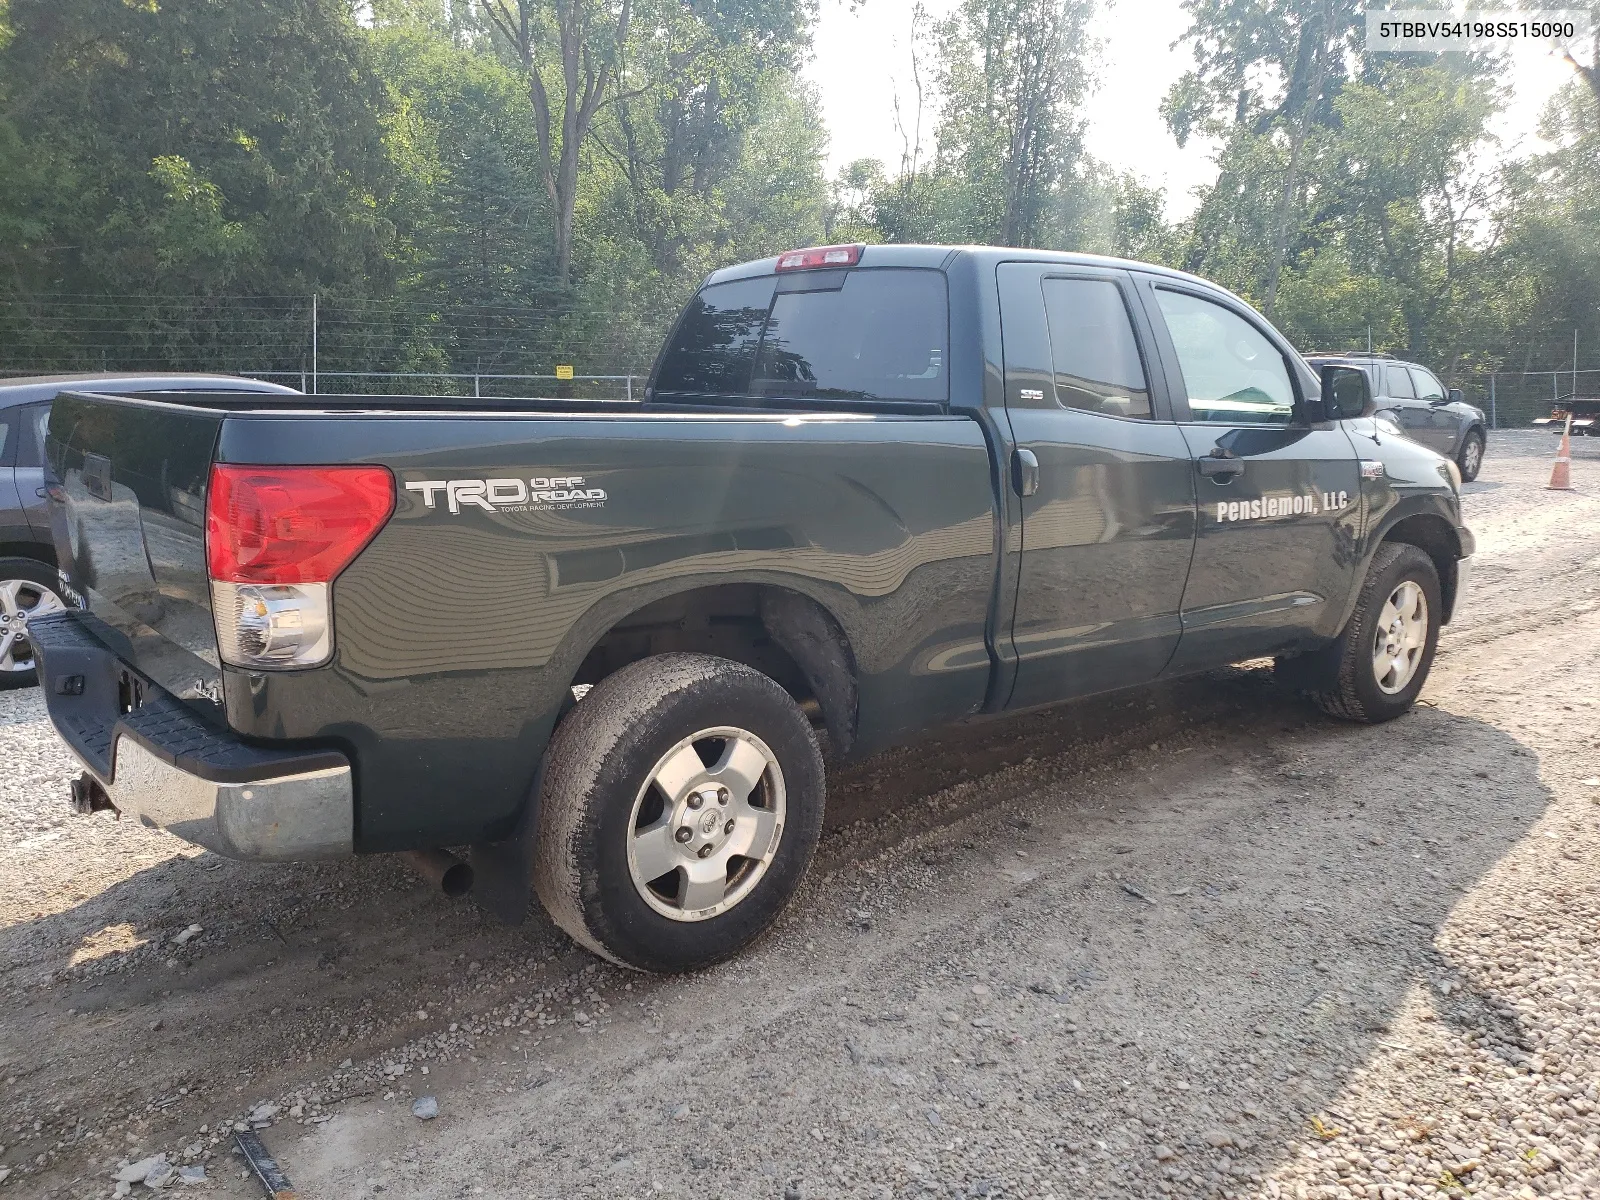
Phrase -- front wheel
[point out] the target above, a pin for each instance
(681, 803)
(1470, 458)
(1376, 669)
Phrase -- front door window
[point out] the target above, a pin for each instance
(1232, 373)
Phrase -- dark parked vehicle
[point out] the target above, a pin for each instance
(1411, 396)
(1579, 413)
(871, 491)
(27, 554)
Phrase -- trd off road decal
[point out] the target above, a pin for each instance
(537, 493)
(1283, 504)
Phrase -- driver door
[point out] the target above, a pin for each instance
(1279, 496)
(1436, 427)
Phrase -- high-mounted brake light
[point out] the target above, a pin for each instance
(276, 538)
(820, 256)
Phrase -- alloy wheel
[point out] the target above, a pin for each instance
(706, 824)
(21, 600)
(1401, 637)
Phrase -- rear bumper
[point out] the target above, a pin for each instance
(163, 763)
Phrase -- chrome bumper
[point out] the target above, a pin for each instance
(276, 819)
(160, 762)
(1463, 577)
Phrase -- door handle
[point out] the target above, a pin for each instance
(1024, 471)
(1221, 465)
(41, 492)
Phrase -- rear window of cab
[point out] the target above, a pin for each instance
(859, 334)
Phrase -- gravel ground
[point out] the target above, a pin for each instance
(1195, 942)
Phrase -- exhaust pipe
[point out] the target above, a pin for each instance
(88, 796)
(444, 870)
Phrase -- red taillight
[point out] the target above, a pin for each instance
(289, 525)
(819, 256)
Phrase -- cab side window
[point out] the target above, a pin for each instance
(1400, 384)
(1233, 374)
(1092, 348)
(1428, 388)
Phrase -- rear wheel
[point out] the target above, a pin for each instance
(1470, 458)
(681, 803)
(1376, 669)
(27, 591)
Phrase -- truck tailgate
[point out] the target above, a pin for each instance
(129, 522)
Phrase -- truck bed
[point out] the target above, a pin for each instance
(458, 635)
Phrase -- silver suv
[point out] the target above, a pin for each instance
(1412, 397)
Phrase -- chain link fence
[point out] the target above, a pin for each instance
(336, 344)
(342, 345)
(1514, 398)
(439, 383)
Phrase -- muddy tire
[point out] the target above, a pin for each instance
(681, 803)
(1378, 666)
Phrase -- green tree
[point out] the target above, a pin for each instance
(579, 45)
(261, 118)
(1011, 76)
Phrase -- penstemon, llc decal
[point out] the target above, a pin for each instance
(1283, 504)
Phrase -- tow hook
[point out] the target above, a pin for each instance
(88, 796)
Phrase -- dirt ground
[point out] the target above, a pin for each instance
(1196, 942)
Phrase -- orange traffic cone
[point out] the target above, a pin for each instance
(1561, 473)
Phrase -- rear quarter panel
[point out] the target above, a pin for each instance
(457, 633)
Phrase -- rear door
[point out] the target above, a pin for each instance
(30, 468)
(14, 525)
(1108, 516)
(1279, 497)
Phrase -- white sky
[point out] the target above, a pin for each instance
(862, 58)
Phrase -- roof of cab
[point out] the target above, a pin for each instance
(941, 257)
(31, 388)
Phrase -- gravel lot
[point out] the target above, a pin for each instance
(1196, 942)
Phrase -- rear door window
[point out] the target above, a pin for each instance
(882, 336)
(1096, 360)
(1400, 384)
(30, 448)
(716, 341)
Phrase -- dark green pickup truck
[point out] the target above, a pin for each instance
(870, 491)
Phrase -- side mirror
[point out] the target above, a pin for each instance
(1457, 396)
(1346, 392)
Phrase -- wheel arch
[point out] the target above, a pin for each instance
(780, 630)
(1437, 538)
(42, 553)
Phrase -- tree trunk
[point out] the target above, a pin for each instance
(1298, 134)
(586, 73)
